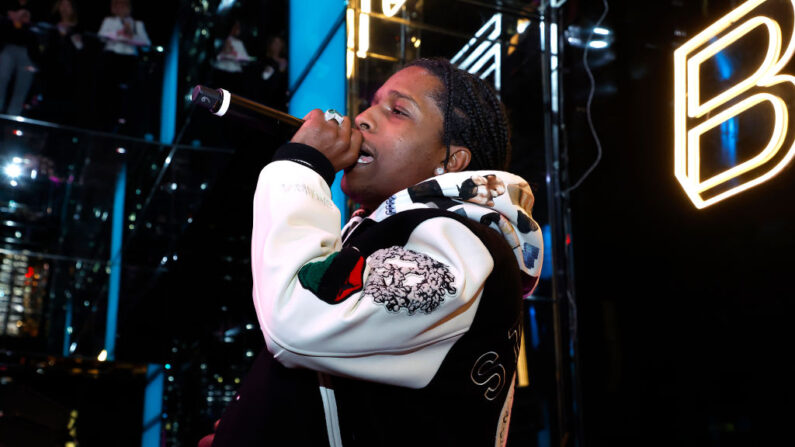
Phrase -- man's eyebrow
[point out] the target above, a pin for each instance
(376, 97)
(403, 96)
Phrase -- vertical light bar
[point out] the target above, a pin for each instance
(153, 406)
(521, 365)
(168, 102)
(114, 282)
(67, 326)
(350, 52)
(364, 28)
(324, 86)
(553, 64)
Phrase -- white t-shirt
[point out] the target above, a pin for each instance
(117, 42)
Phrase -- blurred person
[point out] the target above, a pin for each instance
(404, 327)
(120, 74)
(122, 33)
(233, 53)
(274, 74)
(64, 70)
(19, 43)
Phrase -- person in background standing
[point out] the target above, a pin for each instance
(123, 33)
(64, 71)
(119, 79)
(15, 58)
(274, 74)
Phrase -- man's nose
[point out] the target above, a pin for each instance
(364, 121)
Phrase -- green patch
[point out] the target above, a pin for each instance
(311, 274)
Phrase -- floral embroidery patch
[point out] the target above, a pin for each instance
(406, 279)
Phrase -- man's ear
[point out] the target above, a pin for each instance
(460, 157)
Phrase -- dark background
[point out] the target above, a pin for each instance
(685, 314)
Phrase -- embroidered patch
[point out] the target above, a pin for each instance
(406, 279)
(335, 278)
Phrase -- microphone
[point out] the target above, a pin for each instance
(223, 103)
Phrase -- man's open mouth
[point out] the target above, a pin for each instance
(365, 158)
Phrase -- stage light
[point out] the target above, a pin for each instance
(13, 170)
(225, 4)
(597, 38)
(18, 132)
(103, 355)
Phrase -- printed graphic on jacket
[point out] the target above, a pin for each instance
(499, 200)
(405, 279)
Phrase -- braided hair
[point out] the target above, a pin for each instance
(472, 115)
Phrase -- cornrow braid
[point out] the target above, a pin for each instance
(473, 116)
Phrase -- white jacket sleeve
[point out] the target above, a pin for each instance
(416, 299)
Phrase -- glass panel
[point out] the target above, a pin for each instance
(59, 189)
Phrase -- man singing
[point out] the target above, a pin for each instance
(404, 328)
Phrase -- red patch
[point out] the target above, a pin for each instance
(354, 282)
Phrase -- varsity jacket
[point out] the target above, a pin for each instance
(410, 315)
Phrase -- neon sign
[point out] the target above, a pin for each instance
(488, 51)
(694, 115)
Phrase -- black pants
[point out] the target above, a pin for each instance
(276, 406)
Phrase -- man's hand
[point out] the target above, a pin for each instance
(339, 143)
(207, 441)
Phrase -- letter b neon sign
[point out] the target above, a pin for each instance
(767, 86)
